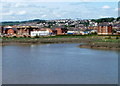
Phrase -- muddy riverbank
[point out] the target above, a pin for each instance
(101, 45)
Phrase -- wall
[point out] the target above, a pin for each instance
(40, 33)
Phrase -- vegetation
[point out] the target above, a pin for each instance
(94, 37)
(104, 20)
(51, 23)
(21, 22)
(94, 41)
(118, 19)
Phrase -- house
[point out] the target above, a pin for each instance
(72, 32)
(116, 28)
(92, 27)
(23, 30)
(9, 30)
(117, 32)
(105, 29)
(41, 32)
(86, 32)
(93, 31)
(90, 31)
(76, 31)
(82, 33)
(59, 31)
(50, 31)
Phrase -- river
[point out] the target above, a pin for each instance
(58, 64)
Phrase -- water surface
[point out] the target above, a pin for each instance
(58, 64)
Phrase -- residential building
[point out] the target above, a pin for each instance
(59, 31)
(41, 32)
(9, 30)
(104, 29)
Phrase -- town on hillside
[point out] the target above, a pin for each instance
(32, 28)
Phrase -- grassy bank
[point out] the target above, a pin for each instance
(93, 38)
(51, 39)
(104, 42)
(93, 41)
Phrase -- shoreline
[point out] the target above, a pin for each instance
(88, 42)
(43, 41)
(102, 45)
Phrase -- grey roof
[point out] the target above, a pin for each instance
(104, 24)
(54, 27)
(116, 25)
(15, 29)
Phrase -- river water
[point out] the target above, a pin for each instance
(58, 64)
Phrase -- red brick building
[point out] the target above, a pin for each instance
(59, 31)
(25, 30)
(9, 30)
(104, 29)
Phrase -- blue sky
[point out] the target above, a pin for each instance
(18, 11)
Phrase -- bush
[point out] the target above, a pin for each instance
(36, 36)
(14, 37)
(109, 37)
(117, 37)
(29, 36)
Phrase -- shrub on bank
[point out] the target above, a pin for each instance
(14, 37)
(117, 37)
(36, 36)
(109, 37)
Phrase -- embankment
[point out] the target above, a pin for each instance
(94, 42)
(102, 45)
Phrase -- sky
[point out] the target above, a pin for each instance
(20, 10)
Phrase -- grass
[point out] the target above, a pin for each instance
(57, 36)
(66, 38)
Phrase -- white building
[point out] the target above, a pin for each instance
(82, 33)
(76, 32)
(72, 32)
(40, 33)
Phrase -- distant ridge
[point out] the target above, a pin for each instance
(100, 20)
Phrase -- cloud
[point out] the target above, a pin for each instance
(44, 16)
(21, 12)
(106, 7)
(60, 0)
(19, 5)
(8, 13)
(56, 14)
(104, 16)
(117, 9)
(55, 10)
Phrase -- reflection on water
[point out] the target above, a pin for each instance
(58, 64)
